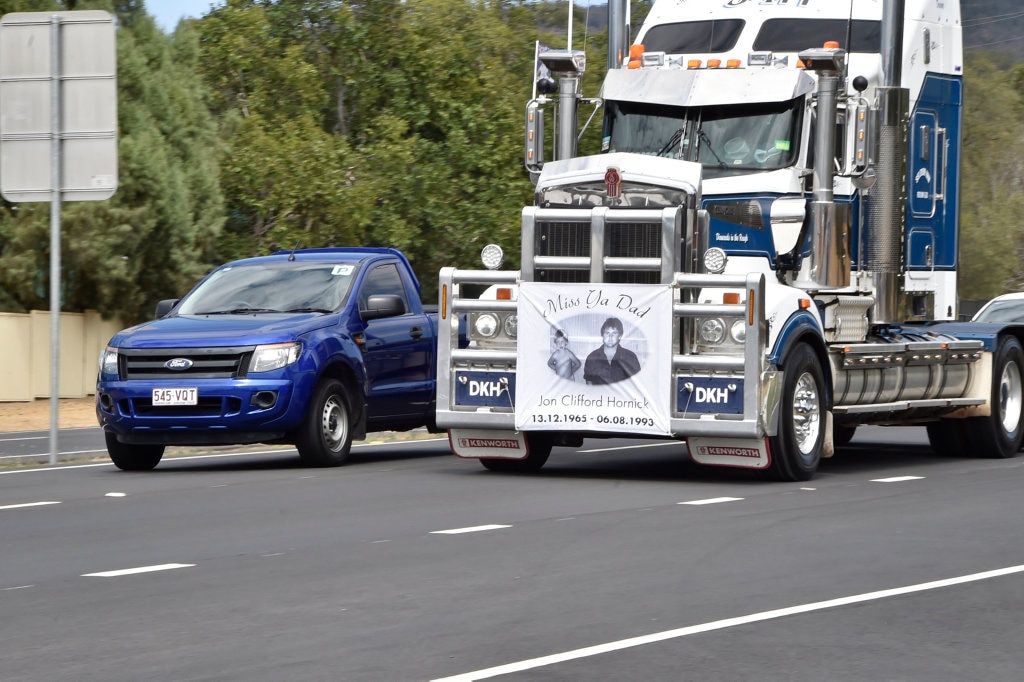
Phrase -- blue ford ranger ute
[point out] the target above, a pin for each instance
(314, 347)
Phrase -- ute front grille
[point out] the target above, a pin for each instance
(202, 363)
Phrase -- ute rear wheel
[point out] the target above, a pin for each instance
(130, 457)
(999, 435)
(796, 448)
(325, 437)
(539, 446)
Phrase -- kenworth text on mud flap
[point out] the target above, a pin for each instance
(314, 347)
(771, 223)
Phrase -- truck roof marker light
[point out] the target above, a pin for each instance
(693, 64)
(636, 53)
(733, 64)
(831, 45)
(714, 63)
(503, 294)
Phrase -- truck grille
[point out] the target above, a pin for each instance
(624, 240)
(206, 363)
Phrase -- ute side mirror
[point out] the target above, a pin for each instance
(165, 306)
(382, 305)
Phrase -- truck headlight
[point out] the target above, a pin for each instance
(486, 324)
(712, 331)
(274, 356)
(511, 326)
(108, 361)
(738, 331)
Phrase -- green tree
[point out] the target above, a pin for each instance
(157, 234)
(992, 182)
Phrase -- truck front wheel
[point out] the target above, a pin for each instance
(796, 448)
(325, 437)
(999, 434)
(539, 445)
(129, 457)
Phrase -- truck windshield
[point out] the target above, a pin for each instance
(272, 288)
(724, 140)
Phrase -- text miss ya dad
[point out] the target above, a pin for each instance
(595, 298)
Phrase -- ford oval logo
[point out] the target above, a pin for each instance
(178, 364)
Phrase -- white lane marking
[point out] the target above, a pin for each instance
(139, 569)
(63, 452)
(721, 625)
(27, 504)
(9, 440)
(896, 479)
(634, 447)
(471, 529)
(712, 500)
(115, 495)
(19, 587)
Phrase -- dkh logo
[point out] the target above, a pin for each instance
(711, 395)
(486, 388)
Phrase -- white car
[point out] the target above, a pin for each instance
(1004, 308)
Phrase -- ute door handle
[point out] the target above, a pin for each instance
(416, 332)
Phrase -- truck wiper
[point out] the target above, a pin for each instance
(672, 142)
(707, 142)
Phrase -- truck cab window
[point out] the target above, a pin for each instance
(724, 140)
(690, 37)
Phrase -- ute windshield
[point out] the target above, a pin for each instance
(290, 287)
(725, 140)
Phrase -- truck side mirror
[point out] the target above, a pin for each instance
(164, 306)
(382, 305)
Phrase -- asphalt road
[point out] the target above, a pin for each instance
(623, 561)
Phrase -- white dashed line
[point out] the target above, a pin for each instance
(896, 479)
(542, 661)
(27, 504)
(132, 571)
(712, 500)
(472, 529)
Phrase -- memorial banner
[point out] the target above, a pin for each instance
(594, 357)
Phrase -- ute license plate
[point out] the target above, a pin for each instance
(175, 396)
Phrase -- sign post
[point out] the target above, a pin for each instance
(58, 129)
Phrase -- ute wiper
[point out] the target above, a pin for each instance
(239, 311)
(309, 310)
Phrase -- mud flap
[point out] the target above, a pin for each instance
(477, 443)
(746, 453)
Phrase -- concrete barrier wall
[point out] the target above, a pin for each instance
(25, 344)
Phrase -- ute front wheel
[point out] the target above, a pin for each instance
(796, 448)
(129, 457)
(325, 437)
(999, 435)
(539, 446)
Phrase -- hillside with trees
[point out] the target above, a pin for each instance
(272, 124)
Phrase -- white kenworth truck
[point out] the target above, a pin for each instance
(761, 257)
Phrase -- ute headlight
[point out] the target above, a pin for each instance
(274, 356)
(108, 361)
(486, 325)
(511, 326)
(712, 331)
(715, 260)
(738, 331)
(492, 256)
